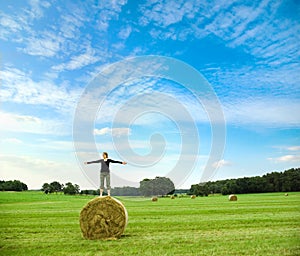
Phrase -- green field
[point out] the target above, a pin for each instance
(33, 223)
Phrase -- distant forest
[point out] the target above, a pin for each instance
(287, 181)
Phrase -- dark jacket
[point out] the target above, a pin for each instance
(105, 164)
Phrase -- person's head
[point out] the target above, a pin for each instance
(105, 155)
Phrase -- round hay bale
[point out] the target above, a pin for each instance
(154, 199)
(286, 194)
(172, 197)
(193, 196)
(232, 198)
(103, 218)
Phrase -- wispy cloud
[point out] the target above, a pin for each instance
(125, 32)
(48, 44)
(37, 8)
(17, 86)
(11, 25)
(263, 111)
(166, 13)
(79, 61)
(289, 154)
(30, 124)
(294, 148)
(246, 25)
(286, 159)
(221, 163)
(266, 112)
(112, 131)
(22, 22)
(8, 24)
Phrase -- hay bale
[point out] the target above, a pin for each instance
(154, 199)
(193, 196)
(103, 218)
(172, 197)
(286, 194)
(232, 198)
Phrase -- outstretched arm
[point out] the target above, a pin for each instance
(117, 162)
(93, 162)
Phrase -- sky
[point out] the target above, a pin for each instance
(192, 90)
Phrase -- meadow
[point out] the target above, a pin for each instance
(33, 223)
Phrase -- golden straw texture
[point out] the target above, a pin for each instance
(103, 218)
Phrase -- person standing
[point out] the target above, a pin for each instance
(105, 171)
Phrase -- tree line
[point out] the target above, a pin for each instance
(55, 187)
(287, 181)
(12, 185)
(148, 187)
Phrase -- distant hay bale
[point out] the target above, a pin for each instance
(232, 198)
(172, 197)
(193, 196)
(103, 218)
(154, 199)
(286, 194)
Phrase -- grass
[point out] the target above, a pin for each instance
(33, 223)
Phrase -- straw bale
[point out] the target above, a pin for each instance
(103, 218)
(154, 199)
(232, 197)
(193, 196)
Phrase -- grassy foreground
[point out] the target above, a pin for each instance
(33, 223)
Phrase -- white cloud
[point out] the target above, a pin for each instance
(79, 61)
(264, 112)
(113, 131)
(18, 87)
(286, 159)
(125, 32)
(141, 96)
(105, 11)
(273, 43)
(37, 8)
(294, 148)
(166, 13)
(9, 23)
(47, 44)
(70, 26)
(221, 163)
(245, 25)
(31, 124)
(14, 27)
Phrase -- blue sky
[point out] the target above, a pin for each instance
(51, 52)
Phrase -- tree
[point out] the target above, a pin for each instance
(71, 189)
(157, 186)
(15, 185)
(46, 188)
(55, 186)
(146, 187)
